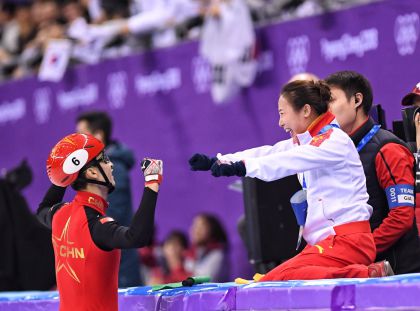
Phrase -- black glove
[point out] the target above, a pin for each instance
(228, 169)
(201, 162)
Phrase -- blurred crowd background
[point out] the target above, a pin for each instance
(100, 29)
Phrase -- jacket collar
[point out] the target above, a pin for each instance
(315, 127)
(359, 133)
(92, 200)
(318, 124)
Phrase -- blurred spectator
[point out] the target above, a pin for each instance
(31, 58)
(20, 30)
(76, 23)
(85, 49)
(163, 17)
(207, 255)
(108, 28)
(150, 258)
(99, 125)
(228, 24)
(94, 10)
(157, 17)
(28, 260)
(171, 267)
(16, 34)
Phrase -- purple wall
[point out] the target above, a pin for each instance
(161, 105)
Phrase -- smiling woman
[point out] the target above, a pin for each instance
(300, 103)
(328, 166)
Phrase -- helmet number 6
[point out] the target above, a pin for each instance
(75, 161)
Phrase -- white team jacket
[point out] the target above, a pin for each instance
(334, 177)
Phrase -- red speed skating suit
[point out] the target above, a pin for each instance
(87, 246)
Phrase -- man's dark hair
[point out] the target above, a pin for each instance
(351, 83)
(98, 121)
(80, 183)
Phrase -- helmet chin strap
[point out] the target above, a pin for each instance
(105, 183)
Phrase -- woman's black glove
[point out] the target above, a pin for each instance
(201, 162)
(228, 169)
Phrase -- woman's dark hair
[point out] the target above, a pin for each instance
(317, 94)
(217, 232)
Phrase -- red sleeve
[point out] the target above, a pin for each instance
(418, 211)
(394, 165)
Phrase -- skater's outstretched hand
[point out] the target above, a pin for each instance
(201, 162)
(224, 168)
(152, 170)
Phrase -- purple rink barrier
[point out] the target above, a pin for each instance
(391, 293)
(210, 296)
(161, 105)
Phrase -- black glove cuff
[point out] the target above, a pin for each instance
(240, 169)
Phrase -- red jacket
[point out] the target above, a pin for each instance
(394, 165)
(87, 277)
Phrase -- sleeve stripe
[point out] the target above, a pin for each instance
(388, 168)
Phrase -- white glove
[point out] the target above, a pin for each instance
(152, 170)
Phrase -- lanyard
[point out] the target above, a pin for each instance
(362, 143)
(322, 131)
(327, 127)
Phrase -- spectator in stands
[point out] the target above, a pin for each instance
(76, 23)
(228, 44)
(337, 230)
(31, 58)
(20, 30)
(99, 124)
(208, 253)
(160, 17)
(49, 12)
(150, 255)
(388, 166)
(85, 48)
(93, 10)
(155, 17)
(105, 29)
(16, 34)
(28, 260)
(171, 268)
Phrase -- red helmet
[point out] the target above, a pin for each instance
(408, 99)
(70, 155)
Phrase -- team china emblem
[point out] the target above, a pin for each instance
(319, 139)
